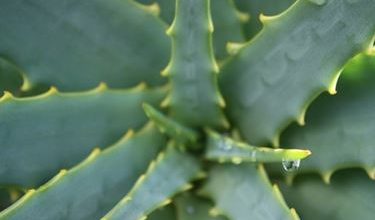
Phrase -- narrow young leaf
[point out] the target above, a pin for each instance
(194, 98)
(243, 192)
(93, 187)
(350, 195)
(298, 54)
(43, 134)
(225, 149)
(76, 44)
(181, 134)
(340, 128)
(169, 174)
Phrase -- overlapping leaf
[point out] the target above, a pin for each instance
(74, 45)
(297, 55)
(243, 192)
(43, 134)
(351, 195)
(168, 175)
(339, 128)
(93, 187)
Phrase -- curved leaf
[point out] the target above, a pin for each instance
(339, 129)
(43, 134)
(243, 192)
(76, 44)
(91, 188)
(351, 195)
(298, 54)
(169, 174)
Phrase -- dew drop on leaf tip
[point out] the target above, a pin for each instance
(291, 165)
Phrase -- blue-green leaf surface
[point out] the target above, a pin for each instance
(43, 134)
(93, 187)
(75, 44)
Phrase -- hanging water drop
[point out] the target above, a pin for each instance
(291, 165)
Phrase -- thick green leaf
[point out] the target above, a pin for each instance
(340, 128)
(194, 98)
(243, 192)
(297, 55)
(43, 134)
(91, 188)
(190, 207)
(225, 149)
(256, 7)
(227, 25)
(10, 77)
(169, 174)
(351, 195)
(75, 44)
(180, 134)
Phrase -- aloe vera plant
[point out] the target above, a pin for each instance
(187, 109)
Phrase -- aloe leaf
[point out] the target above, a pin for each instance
(59, 42)
(181, 134)
(43, 134)
(10, 77)
(228, 25)
(339, 128)
(257, 7)
(194, 98)
(243, 192)
(190, 207)
(91, 188)
(350, 196)
(225, 149)
(169, 174)
(298, 54)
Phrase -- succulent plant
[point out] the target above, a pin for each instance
(117, 109)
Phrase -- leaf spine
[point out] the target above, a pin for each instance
(233, 48)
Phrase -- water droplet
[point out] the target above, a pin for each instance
(254, 156)
(190, 210)
(291, 165)
(225, 145)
